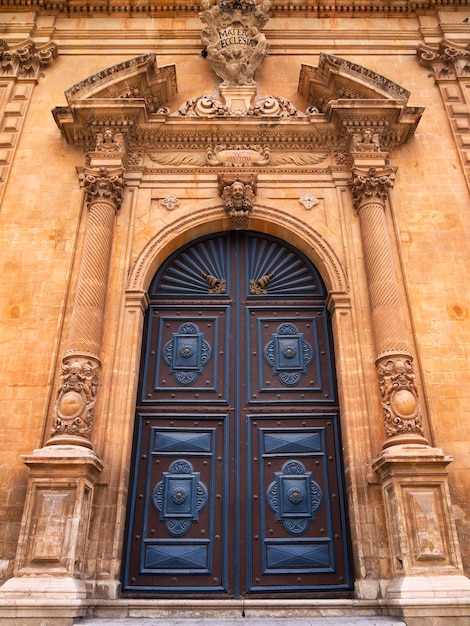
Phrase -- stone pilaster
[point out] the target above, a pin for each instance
(396, 378)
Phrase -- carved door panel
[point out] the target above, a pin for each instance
(237, 483)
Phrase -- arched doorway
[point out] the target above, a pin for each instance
(236, 488)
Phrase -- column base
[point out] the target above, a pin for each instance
(430, 587)
(44, 587)
(430, 600)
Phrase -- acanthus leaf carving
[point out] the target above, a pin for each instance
(371, 185)
(447, 60)
(26, 59)
(105, 185)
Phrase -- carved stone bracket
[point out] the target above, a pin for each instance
(238, 195)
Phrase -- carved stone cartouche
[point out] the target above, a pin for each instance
(233, 43)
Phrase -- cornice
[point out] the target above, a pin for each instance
(156, 8)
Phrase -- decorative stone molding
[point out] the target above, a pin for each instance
(238, 197)
(79, 381)
(450, 65)
(233, 42)
(267, 106)
(118, 97)
(384, 113)
(300, 8)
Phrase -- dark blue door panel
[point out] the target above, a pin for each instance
(237, 480)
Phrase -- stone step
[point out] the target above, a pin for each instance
(242, 621)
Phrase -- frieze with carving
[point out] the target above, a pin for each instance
(76, 397)
(233, 42)
(400, 404)
(26, 59)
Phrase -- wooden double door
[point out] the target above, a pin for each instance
(236, 488)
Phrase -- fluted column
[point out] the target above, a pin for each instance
(396, 377)
(81, 365)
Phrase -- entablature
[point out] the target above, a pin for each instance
(349, 108)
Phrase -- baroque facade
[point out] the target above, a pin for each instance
(235, 325)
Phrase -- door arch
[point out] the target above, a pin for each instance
(236, 487)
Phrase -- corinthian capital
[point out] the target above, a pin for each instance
(103, 185)
(371, 185)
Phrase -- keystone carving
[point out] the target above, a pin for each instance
(238, 196)
(233, 43)
(25, 60)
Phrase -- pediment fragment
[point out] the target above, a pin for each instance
(339, 79)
